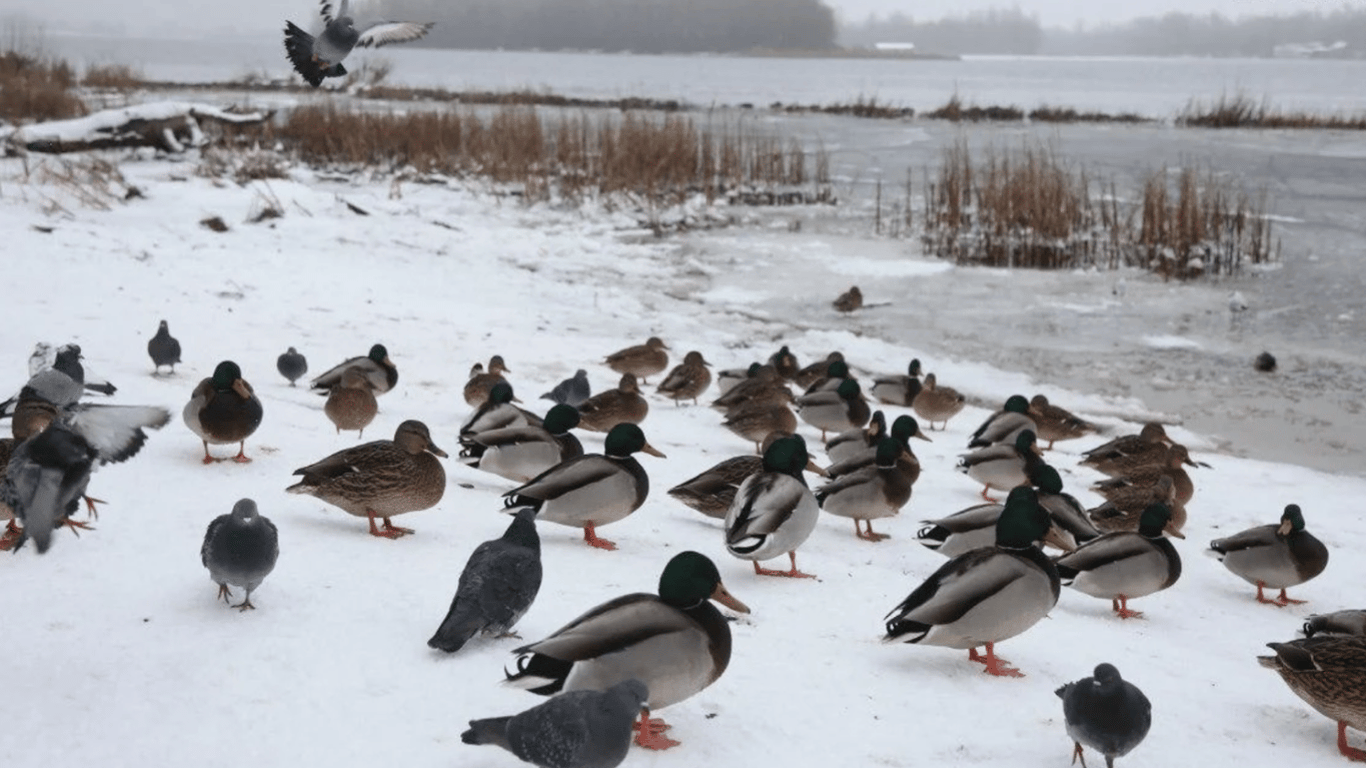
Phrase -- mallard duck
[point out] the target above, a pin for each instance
(1329, 673)
(985, 595)
(240, 550)
(899, 390)
(835, 374)
(785, 363)
(1349, 622)
(773, 512)
(1274, 556)
(1004, 425)
(164, 349)
(1124, 565)
(975, 527)
(572, 391)
(903, 429)
(223, 410)
(351, 404)
(870, 493)
(378, 369)
(1123, 510)
(728, 378)
(591, 490)
(936, 403)
(498, 411)
(1128, 452)
(1175, 456)
(858, 440)
(675, 642)
(756, 421)
(848, 301)
(834, 411)
(813, 372)
(1068, 514)
(712, 490)
(380, 479)
(763, 385)
(482, 381)
(1106, 713)
(1002, 466)
(291, 365)
(1056, 423)
(520, 453)
(687, 381)
(643, 360)
(623, 405)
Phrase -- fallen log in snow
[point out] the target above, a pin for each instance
(172, 126)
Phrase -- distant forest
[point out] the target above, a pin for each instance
(1174, 34)
(643, 26)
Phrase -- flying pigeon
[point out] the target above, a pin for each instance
(45, 355)
(572, 391)
(240, 549)
(55, 387)
(1106, 713)
(163, 348)
(291, 365)
(320, 57)
(579, 729)
(498, 585)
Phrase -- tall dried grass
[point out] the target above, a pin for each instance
(1240, 110)
(113, 77)
(35, 88)
(1029, 209)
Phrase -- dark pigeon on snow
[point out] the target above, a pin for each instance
(498, 585)
(320, 57)
(45, 356)
(240, 550)
(291, 365)
(163, 349)
(1106, 713)
(572, 391)
(579, 729)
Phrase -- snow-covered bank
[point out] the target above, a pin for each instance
(121, 656)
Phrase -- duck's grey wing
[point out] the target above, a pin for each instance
(116, 431)
(385, 32)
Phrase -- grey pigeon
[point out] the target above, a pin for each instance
(579, 729)
(59, 385)
(572, 391)
(291, 365)
(1106, 713)
(240, 550)
(498, 585)
(320, 57)
(45, 356)
(163, 348)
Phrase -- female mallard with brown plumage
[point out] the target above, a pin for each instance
(1121, 512)
(1329, 673)
(1172, 466)
(482, 381)
(380, 479)
(1128, 452)
(761, 385)
(688, 380)
(351, 404)
(223, 410)
(642, 360)
(1057, 423)
(623, 405)
(785, 363)
(755, 421)
(936, 403)
(1274, 556)
(813, 372)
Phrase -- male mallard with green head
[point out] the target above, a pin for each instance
(1274, 556)
(376, 366)
(1124, 565)
(380, 479)
(985, 595)
(1002, 466)
(592, 490)
(223, 410)
(835, 411)
(773, 512)
(874, 492)
(520, 453)
(899, 389)
(675, 642)
(1004, 425)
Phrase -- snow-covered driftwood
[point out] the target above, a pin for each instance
(172, 126)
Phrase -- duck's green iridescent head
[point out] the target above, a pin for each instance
(1045, 478)
(753, 369)
(848, 389)
(501, 393)
(888, 451)
(913, 370)
(1024, 442)
(906, 427)
(1292, 519)
(690, 578)
(626, 439)
(1153, 520)
(379, 354)
(837, 370)
(786, 455)
(1023, 521)
(560, 419)
(877, 426)
(1016, 404)
(225, 375)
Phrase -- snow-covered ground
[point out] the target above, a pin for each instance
(120, 654)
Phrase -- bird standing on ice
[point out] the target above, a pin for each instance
(319, 57)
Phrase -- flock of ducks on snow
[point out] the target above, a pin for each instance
(643, 652)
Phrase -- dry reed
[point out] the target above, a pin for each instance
(1240, 110)
(34, 88)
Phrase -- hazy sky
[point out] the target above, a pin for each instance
(251, 15)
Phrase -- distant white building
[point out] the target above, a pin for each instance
(1307, 50)
(894, 46)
